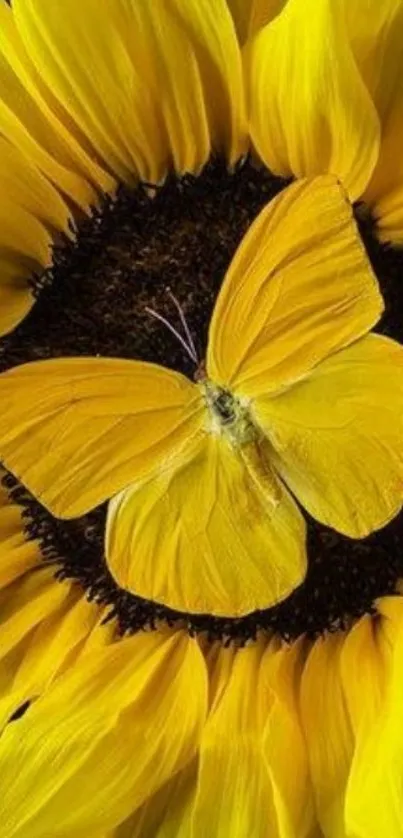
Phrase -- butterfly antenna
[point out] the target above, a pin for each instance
(184, 324)
(188, 349)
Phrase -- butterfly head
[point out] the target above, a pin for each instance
(224, 406)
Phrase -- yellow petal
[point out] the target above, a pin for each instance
(47, 648)
(374, 803)
(204, 537)
(251, 15)
(168, 813)
(16, 299)
(111, 422)
(27, 188)
(212, 38)
(110, 84)
(102, 635)
(105, 736)
(234, 796)
(17, 553)
(377, 43)
(299, 287)
(31, 208)
(22, 233)
(338, 436)
(9, 666)
(29, 123)
(283, 736)
(310, 111)
(388, 213)
(328, 734)
(27, 602)
(365, 665)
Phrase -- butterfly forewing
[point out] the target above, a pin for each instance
(75, 431)
(299, 288)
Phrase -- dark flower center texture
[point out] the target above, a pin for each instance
(133, 254)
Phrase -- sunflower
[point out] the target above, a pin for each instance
(200, 546)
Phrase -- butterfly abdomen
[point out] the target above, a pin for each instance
(260, 471)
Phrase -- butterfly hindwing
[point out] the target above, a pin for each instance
(343, 459)
(206, 536)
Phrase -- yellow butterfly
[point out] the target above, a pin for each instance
(200, 516)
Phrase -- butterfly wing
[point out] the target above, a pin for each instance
(75, 431)
(206, 537)
(299, 288)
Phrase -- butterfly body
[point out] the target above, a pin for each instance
(228, 413)
(230, 416)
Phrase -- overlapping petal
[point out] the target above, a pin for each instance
(231, 752)
(283, 735)
(325, 94)
(86, 110)
(310, 111)
(31, 210)
(377, 42)
(44, 173)
(328, 733)
(239, 785)
(108, 64)
(114, 716)
(374, 804)
(128, 698)
(33, 120)
(251, 15)
(41, 621)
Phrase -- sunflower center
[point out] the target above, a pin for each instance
(150, 249)
(143, 251)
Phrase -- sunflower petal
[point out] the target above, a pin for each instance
(46, 649)
(251, 15)
(377, 40)
(29, 123)
(25, 248)
(16, 299)
(168, 813)
(31, 209)
(17, 553)
(234, 796)
(27, 602)
(27, 188)
(23, 234)
(338, 436)
(310, 111)
(327, 730)
(292, 790)
(365, 664)
(110, 83)
(106, 735)
(374, 802)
